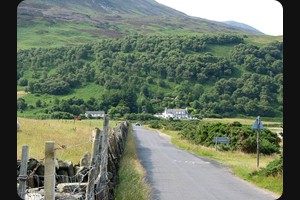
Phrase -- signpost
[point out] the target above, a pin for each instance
(258, 126)
(221, 140)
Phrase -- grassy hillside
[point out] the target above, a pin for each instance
(44, 34)
(262, 40)
(63, 23)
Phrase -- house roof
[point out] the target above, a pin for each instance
(173, 111)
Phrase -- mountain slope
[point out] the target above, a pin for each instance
(134, 7)
(51, 23)
(246, 27)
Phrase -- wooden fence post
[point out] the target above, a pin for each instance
(49, 183)
(93, 166)
(102, 177)
(23, 172)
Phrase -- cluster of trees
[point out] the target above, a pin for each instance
(159, 71)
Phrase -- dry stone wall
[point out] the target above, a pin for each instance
(72, 180)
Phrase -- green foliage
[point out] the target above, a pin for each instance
(132, 183)
(61, 115)
(49, 86)
(23, 82)
(158, 71)
(274, 168)
(155, 124)
(242, 137)
(21, 104)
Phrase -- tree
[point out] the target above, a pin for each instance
(38, 103)
(21, 104)
(23, 82)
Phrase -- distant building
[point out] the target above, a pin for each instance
(176, 114)
(94, 114)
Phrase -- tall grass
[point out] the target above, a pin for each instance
(72, 138)
(132, 183)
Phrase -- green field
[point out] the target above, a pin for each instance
(74, 136)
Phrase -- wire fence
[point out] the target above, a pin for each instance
(94, 178)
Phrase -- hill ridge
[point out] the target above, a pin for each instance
(63, 23)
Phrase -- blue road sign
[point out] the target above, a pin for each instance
(221, 140)
(255, 125)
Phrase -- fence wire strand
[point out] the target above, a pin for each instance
(100, 165)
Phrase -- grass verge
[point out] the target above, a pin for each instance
(132, 176)
(241, 164)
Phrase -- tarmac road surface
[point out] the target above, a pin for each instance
(176, 174)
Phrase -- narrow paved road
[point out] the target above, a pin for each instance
(176, 174)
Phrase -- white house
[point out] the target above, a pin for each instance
(176, 114)
(95, 114)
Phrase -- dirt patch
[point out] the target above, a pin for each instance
(276, 129)
(21, 93)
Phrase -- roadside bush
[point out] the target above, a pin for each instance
(155, 124)
(274, 168)
(266, 147)
(242, 138)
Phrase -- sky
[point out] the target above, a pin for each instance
(263, 15)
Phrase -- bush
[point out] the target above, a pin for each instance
(155, 124)
(274, 168)
(23, 82)
(241, 137)
(61, 115)
(267, 148)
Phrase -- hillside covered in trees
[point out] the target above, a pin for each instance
(213, 75)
